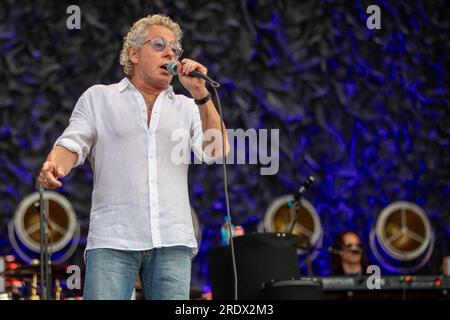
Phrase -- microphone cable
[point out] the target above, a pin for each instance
(171, 67)
(215, 85)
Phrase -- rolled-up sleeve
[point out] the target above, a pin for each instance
(79, 136)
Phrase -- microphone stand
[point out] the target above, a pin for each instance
(45, 256)
(296, 203)
(308, 260)
(308, 248)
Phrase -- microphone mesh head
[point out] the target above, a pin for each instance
(171, 67)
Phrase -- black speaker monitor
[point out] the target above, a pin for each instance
(260, 258)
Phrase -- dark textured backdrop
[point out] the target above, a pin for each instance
(366, 112)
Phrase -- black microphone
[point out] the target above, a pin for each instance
(301, 191)
(352, 250)
(305, 185)
(344, 251)
(172, 68)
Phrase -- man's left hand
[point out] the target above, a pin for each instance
(195, 86)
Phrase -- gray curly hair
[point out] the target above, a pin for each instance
(137, 34)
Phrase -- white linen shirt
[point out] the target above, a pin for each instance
(140, 197)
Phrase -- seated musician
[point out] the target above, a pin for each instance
(445, 266)
(349, 257)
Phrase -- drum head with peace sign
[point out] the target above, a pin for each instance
(62, 221)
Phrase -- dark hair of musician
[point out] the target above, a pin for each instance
(338, 245)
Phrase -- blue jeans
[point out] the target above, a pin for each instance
(111, 274)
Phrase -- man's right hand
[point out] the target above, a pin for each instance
(49, 174)
(58, 165)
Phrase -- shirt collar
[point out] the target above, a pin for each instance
(125, 83)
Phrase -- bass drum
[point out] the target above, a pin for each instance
(402, 240)
(63, 232)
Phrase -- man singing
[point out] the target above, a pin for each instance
(140, 221)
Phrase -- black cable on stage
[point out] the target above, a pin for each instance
(171, 67)
(215, 85)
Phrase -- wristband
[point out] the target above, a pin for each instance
(199, 102)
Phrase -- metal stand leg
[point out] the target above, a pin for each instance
(46, 285)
